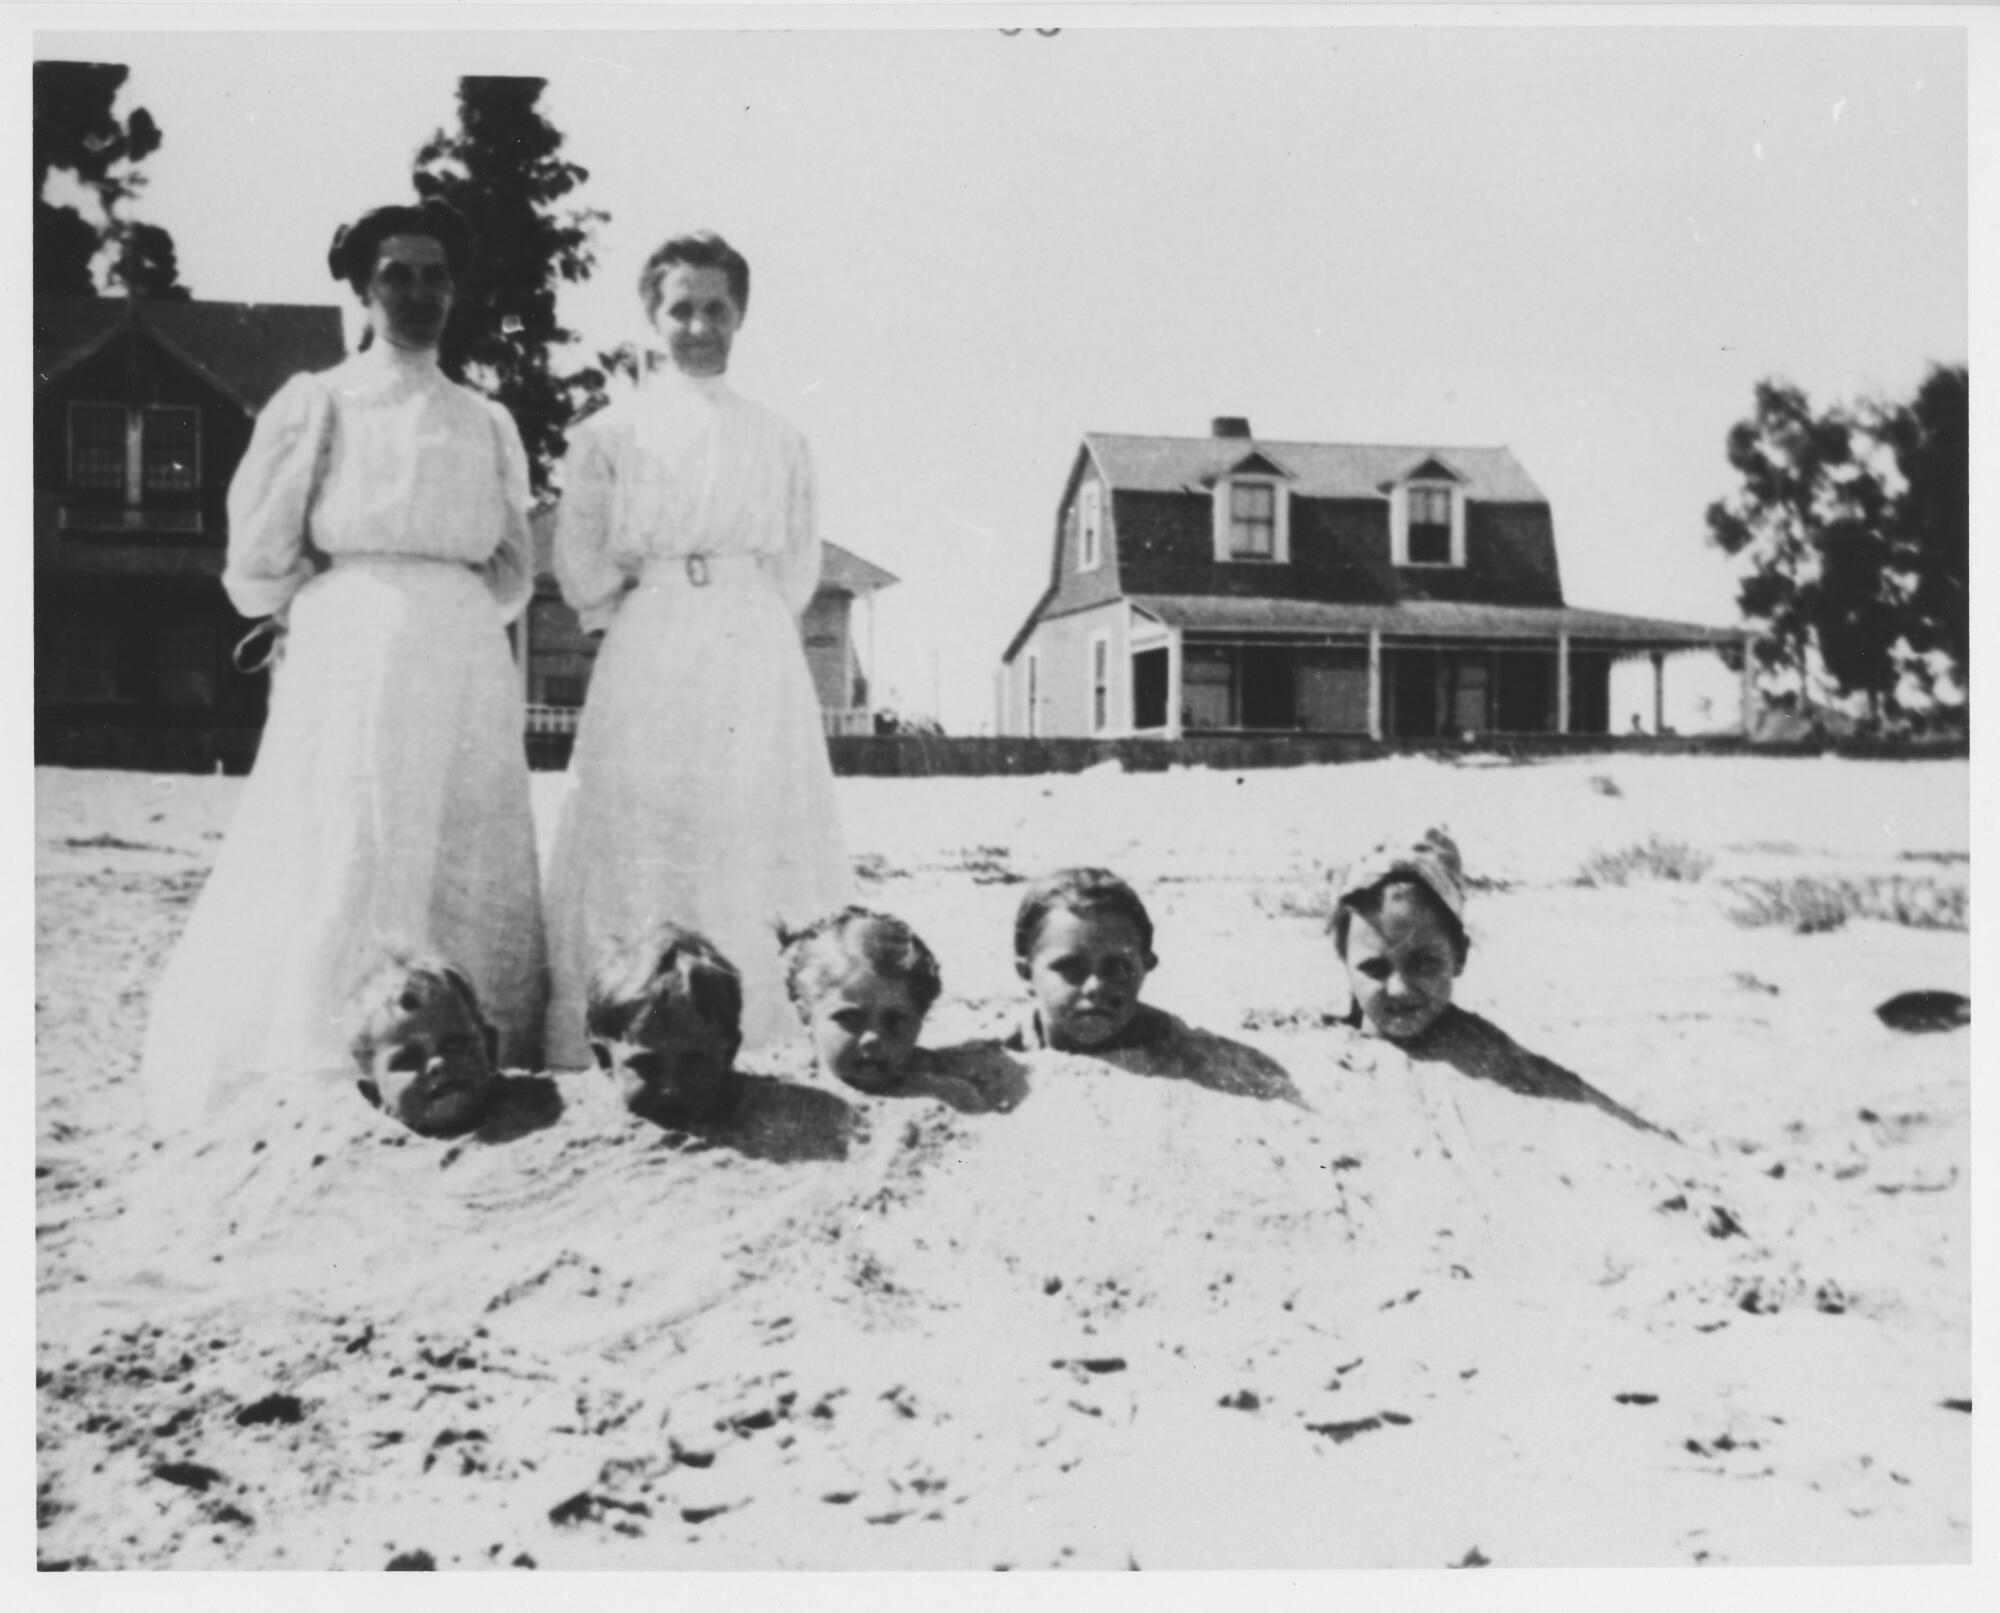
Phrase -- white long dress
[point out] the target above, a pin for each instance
(383, 510)
(700, 789)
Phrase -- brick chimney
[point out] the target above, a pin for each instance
(1229, 425)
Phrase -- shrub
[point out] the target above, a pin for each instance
(1655, 857)
(1814, 905)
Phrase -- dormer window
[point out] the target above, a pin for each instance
(1090, 526)
(1430, 526)
(1253, 519)
(1427, 520)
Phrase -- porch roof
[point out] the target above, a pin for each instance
(1426, 619)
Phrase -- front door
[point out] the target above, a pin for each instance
(1268, 696)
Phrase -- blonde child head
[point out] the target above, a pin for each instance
(426, 1053)
(664, 1016)
(862, 983)
(1398, 926)
(1083, 941)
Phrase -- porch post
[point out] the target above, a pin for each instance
(1749, 717)
(1659, 692)
(1375, 684)
(1174, 666)
(1562, 683)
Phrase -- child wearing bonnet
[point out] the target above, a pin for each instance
(1398, 927)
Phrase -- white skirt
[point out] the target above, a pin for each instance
(700, 792)
(388, 807)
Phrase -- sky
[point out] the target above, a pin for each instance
(970, 247)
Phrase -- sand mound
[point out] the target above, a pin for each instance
(1408, 1321)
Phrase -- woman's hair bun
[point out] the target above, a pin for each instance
(351, 256)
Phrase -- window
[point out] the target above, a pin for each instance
(155, 449)
(1252, 520)
(97, 446)
(1100, 684)
(1149, 688)
(1429, 525)
(1208, 689)
(1034, 695)
(1090, 526)
(170, 456)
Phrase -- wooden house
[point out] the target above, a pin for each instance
(556, 654)
(142, 410)
(1228, 584)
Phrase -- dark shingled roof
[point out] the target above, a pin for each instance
(841, 570)
(1425, 619)
(1319, 469)
(248, 350)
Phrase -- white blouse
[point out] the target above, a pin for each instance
(380, 455)
(684, 466)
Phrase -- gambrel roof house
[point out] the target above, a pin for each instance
(142, 410)
(1229, 583)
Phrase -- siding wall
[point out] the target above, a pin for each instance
(1340, 554)
(1062, 645)
(1075, 589)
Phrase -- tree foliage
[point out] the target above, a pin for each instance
(1930, 518)
(77, 132)
(1853, 568)
(502, 168)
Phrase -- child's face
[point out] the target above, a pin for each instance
(864, 1028)
(433, 1068)
(675, 1065)
(1401, 964)
(1086, 971)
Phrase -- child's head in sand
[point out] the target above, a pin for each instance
(425, 1051)
(664, 1017)
(1083, 941)
(1398, 925)
(862, 982)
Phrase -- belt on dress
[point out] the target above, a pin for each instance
(702, 570)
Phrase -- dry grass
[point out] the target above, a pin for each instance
(1811, 905)
(1655, 857)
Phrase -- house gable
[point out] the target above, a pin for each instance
(1072, 585)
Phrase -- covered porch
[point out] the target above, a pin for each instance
(1412, 671)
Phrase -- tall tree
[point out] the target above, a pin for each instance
(1929, 519)
(77, 131)
(503, 170)
(1861, 591)
(1796, 467)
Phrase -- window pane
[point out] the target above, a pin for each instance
(1430, 545)
(1207, 680)
(170, 450)
(1251, 501)
(97, 445)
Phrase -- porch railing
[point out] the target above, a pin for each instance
(838, 724)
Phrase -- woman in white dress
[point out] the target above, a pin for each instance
(379, 516)
(700, 787)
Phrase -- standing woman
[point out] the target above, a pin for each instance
(701, 791)
(379, 517)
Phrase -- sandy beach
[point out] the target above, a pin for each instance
(1124, 1321)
